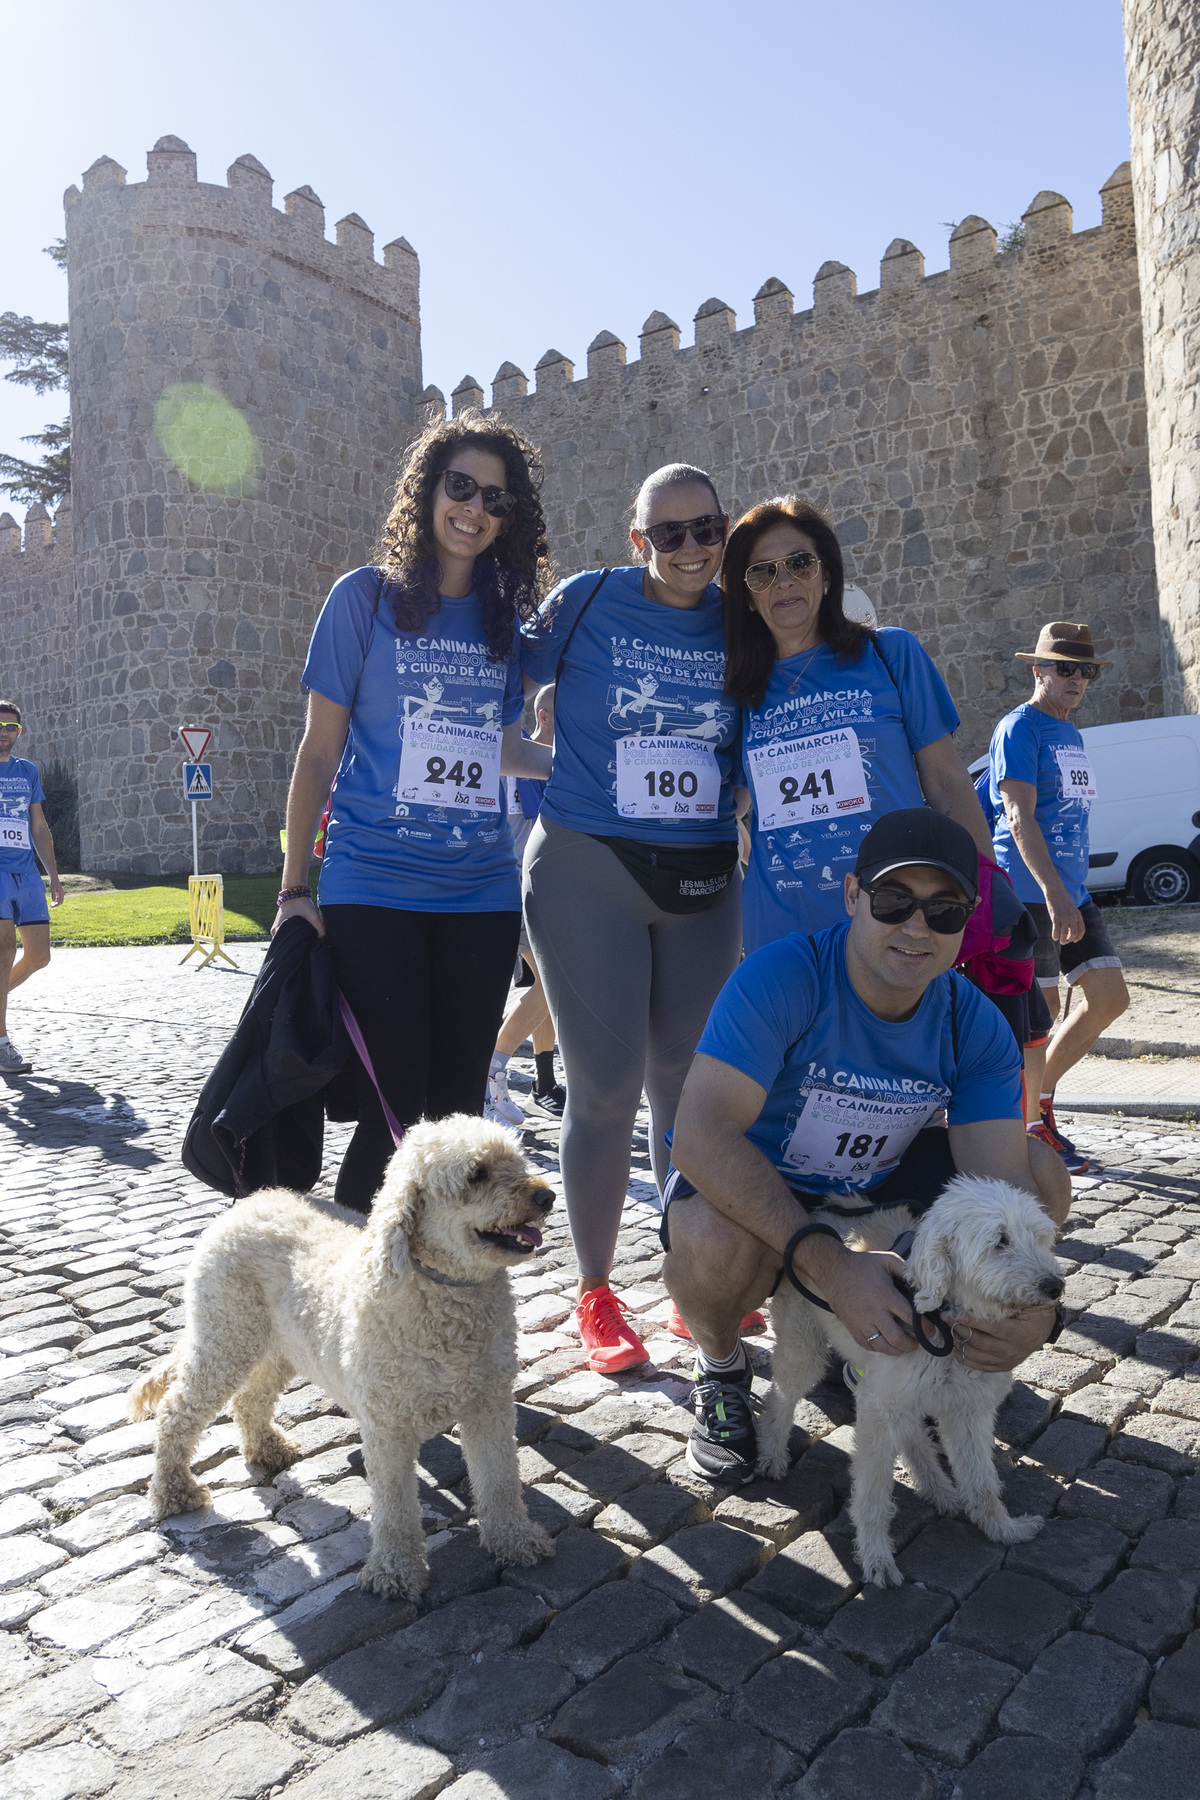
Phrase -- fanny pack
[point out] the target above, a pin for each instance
(678, 878)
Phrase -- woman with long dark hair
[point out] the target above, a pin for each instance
(414, 706)
(630, 874)
(840, 722)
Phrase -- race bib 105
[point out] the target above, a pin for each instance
(443, 763)
(797, 780)
(851, 1138)
(14, 834)
(666, 778)
(1075, 772)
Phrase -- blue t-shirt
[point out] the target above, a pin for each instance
(1027, 746)
(848, 1091)
(431, 835)
(636, 670)
(20, 788)
(829, 751)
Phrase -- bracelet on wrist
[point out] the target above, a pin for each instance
(293, 893)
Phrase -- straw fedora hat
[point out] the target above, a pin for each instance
(1063, 641)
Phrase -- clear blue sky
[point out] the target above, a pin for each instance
(562, 168)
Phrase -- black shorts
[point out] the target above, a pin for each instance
(1094, 950)
(915, 1182)
(1027, 1014)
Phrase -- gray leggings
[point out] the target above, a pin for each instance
(630, 988)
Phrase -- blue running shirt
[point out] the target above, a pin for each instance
(643, 741)
(1028, 745)
(829, 751)
(419, 818)
(847, 1091)
(20, 788)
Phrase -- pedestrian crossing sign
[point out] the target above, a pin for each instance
(197, 781)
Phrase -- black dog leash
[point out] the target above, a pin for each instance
(942, 1341)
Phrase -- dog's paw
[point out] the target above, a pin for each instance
(881, 1571)
(174, 1494)
(271, 1451)
(395, 1577)
(522, 1543)
(1004, 1529)
(775, 1466)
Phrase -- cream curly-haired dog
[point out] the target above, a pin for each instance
(406, 1322)
(984, 1248)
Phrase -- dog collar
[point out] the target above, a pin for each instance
(442, 1280)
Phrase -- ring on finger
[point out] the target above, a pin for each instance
(873, 1336)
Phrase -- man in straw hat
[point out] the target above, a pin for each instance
(1042, 788)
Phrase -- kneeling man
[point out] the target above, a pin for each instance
(821, 1080)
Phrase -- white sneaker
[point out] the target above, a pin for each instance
(501, 1108)
(12, 1062)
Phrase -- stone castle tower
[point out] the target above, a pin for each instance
(242, 389)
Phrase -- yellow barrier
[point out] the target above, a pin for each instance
(206, 902)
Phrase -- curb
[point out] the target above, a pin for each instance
(1148, 1109)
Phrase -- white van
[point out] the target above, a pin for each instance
(1144, 830)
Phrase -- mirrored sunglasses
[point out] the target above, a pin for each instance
(891, 906)
(11, 725)
(708, 530)
(497, 501)
(1089, 671)
(762, 575)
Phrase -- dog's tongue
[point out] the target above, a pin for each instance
(529, 1233)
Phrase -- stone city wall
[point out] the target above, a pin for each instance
(200, 571)
(38, 638)
(978, 436)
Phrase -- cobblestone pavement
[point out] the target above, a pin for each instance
(685, 1641)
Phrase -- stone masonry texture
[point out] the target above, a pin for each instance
(978, 435)
(671, 1649)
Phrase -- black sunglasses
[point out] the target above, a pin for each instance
(762, 575)
(497, 501)
(709, 529)
(1089, 671)
(891, 906)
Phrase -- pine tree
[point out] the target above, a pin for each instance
(39, 350)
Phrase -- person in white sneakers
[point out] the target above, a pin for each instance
(23, 829)
(530, 1017)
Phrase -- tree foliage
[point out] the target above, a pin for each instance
(38, 349)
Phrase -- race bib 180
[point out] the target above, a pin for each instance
(851, 1138)
(443, 763)
(1075, 772)
(14, 834)
(797, 780)
(666, 778)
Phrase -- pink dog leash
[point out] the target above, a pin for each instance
(364, 1056)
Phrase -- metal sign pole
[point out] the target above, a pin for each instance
(195, 845)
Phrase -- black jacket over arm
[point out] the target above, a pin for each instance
(260, 1118)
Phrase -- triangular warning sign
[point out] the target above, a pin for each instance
(196, 740)
(199, 785)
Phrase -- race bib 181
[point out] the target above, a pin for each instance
(666, 778)
(851, 1138)
(1075, 771)
(797, 780)
(443, 763)
(14, 834)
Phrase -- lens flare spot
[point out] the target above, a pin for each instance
(207, 439)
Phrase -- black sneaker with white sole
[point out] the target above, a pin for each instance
(723, 1445)
(552, 1102)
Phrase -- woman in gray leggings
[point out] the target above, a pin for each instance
(631, 885)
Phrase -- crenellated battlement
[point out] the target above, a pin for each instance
(837, 305)
(241, 213)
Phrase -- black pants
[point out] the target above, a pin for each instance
(428, 991)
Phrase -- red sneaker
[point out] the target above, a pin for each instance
(611, 1343)
(751, 1325)
(1076, 1162)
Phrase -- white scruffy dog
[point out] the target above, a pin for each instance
(406, 1322)
(983, 1248)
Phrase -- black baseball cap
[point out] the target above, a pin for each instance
(918, 836)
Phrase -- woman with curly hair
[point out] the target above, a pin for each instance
(630, 874)
(414, 707)
(840, 723)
